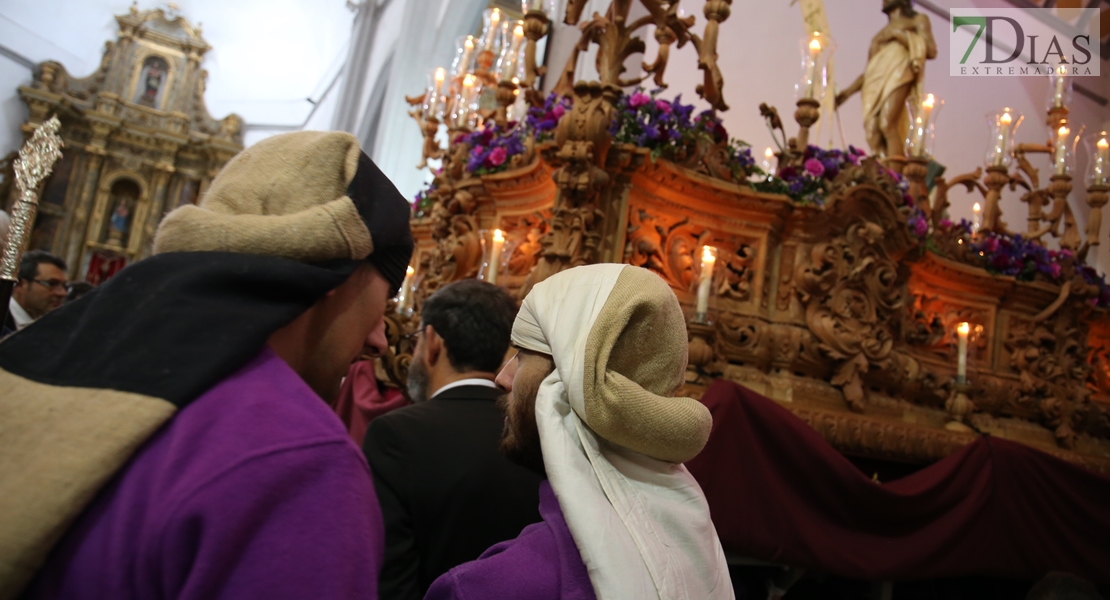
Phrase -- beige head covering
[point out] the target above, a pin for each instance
(613, 436)
(285, 196)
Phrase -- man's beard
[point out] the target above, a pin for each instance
(520, 440)
(418, 380)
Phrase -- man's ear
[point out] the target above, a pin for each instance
(433, 346)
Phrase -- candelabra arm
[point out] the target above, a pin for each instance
(1097, 196)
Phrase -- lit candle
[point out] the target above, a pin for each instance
(1061, 85)
(1102, 160)
(1003, 149)
(768, 155)
(437, 91)
(1062, 150)
(921, 124)
(468, 50)
(508, 64)
(495, 255)
(494, 20)
(811, 68)
(463, 112)
(976, 217)
(405, 293)
(961, 365)
(708, 259)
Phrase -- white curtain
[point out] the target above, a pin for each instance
(395, 44)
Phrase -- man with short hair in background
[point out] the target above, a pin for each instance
(41, 288)
(446, 491)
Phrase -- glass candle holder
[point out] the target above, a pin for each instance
(1098, 165)
(512, 52)
(922, 133)
(435, 96)
(816, 51)
(547, 7)
(1003, 125)
(464, 112)
(1059, 88)
(491, 25)
(464, 56)
(1063, 141)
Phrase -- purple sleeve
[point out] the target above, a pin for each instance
(297, 522)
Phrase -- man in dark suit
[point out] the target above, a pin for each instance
(446, 492)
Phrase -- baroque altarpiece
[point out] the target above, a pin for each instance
(139, 142)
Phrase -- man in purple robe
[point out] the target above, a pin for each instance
(590, 404)
(167, 436)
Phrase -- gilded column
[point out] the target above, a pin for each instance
(77, 234)
(149, 221)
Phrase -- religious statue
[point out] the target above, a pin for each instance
(151, 79)
(895, 74)
(118, 223)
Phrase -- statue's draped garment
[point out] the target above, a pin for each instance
(887, 71)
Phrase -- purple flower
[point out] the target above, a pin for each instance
(814, 167)
(920, 227)
(638, 99)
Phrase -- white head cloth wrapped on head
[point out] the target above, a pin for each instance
(614, 439)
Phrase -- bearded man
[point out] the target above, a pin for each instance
(446, 492)
(601, 351)
(167, 436)
(895, 74)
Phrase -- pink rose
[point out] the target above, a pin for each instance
(497, 156)
(663, 106)
(638, 99)
(1056, 269)
(558, 111)
(814, 167)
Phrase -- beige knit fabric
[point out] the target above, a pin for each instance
(285, 196)
(90, 434)
(635, 359)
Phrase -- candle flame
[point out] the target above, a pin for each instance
(1103, 144)
(495, 16)
(518, 32)
(440, 74)
(1063, 131)
(708, 257)
(469, 42)
(410, 271)
(963, 328)
(976, 208)
(498, 236)
(468, 80)
(815, 45)
(769, 153)
(1006, 118)
(929, 100)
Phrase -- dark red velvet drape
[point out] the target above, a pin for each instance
(778, 492)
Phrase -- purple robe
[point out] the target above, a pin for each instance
(254, 490)
(541, 563)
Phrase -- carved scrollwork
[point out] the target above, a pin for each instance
(1050, 358)
(852, 288)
